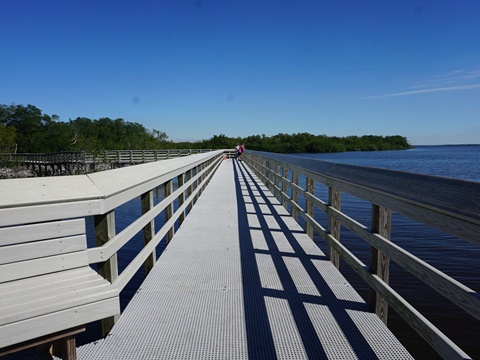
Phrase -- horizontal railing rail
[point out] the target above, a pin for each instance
(71, 163)
(48, 158)
(139, 156)
(117, 156)
(450, 205)
(99, 195)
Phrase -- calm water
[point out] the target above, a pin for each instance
(455, 161)
(453, 256)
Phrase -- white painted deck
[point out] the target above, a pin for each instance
(241, 280)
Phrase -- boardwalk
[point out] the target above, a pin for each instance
(241, 280)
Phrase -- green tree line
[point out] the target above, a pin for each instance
(26, 129)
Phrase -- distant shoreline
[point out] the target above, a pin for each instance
(449, 145)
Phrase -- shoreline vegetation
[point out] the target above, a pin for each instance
(26, 129)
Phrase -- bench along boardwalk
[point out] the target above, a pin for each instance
(239, 277)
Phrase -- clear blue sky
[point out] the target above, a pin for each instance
(243, 67)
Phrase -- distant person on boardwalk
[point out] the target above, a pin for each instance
(236, 151)
(240, 151)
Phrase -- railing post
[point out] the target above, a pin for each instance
(104, 231)
(265, 171)
(334, 196)
(284, 186)
(169, 209)
(310, 206)
(255, 163)
(276, 173)
(181, 197)
(148, 230)
(379, 262)
(189, 175)
(195, 183)
(269, 176)
(199, 181)
(294, 195)
(204, 176)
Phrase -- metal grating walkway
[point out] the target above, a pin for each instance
(241, 280)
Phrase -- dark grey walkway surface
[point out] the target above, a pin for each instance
(241, 280)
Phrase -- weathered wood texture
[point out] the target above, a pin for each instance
(380, 262)
(450, 205)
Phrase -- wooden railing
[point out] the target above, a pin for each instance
(139, 156)
(45, 200)
(118, 156)
(74, 162)
(452, 206)
(50, 158)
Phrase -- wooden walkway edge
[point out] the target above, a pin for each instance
(241, 280)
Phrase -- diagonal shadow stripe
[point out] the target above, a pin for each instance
(260, 342)
(255, 295)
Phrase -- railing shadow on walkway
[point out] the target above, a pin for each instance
(260, 337)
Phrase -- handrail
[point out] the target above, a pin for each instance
(450, 205)
(118, 156)
(70, 163)
(46, 199)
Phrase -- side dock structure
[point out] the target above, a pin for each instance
(239, 277)
(80, 162)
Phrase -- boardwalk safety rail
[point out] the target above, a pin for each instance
(48, 290)
(450, 205)
(74, 162)
(139, 156)
(60, 163)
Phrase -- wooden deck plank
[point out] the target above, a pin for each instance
(241, 280)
